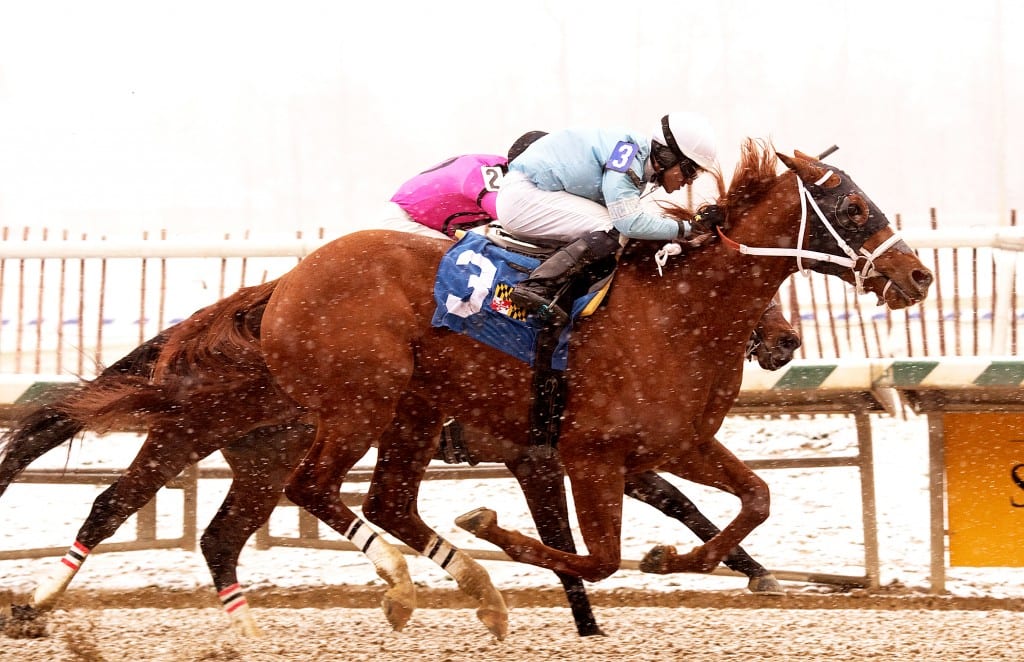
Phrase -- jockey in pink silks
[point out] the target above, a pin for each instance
(458, 193)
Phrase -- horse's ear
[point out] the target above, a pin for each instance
(786, 160)
(807, 168)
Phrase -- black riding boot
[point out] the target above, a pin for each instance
(536, 294)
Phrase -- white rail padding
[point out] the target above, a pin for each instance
(160, 248)
(1005, 237)
(267, 245)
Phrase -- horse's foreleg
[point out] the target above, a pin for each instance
(659, 493)
(598, 492)
(261, 462)
(316, 486)
(403, 455)
(542, 479)
(714, 465)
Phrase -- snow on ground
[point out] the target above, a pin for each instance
(815, 525)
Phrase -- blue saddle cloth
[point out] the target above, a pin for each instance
(473, 282)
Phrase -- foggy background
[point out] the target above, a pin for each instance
(215, 117)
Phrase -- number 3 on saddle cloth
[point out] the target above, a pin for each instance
(473, 282)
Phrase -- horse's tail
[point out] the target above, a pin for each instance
(215, 351)
(219, 345)
(32, 434)
(41, 428)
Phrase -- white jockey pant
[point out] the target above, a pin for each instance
(393, 217)
(525, 209)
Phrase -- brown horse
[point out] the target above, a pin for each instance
(347, 335)
(382, 338)
(262, 459)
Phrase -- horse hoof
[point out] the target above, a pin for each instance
(765, 585)
(247, 628)
(248, 631)
(25, 622)
(477, 521)
(496, 622)
(656, 560)
(398, 607)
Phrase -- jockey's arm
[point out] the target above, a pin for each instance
(622, 198)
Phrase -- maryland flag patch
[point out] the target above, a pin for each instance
(501, 305)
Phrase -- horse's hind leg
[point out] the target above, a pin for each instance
(162, 457)
(404, 453)
(658, 493)
(261, 461)
(316, 486)
(542, 480)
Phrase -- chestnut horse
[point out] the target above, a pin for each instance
(263, 458)
(347, 334)
(215, 371)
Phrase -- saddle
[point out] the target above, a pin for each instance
(597, 280)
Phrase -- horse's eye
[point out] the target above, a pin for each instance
(850, 212)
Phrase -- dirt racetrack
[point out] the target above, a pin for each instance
(343, 623)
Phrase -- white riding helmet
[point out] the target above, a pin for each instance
(688, 134)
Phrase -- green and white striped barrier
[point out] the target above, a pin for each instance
(947, 372)
(818, 375)
(21, 389)
(991, 372)
(812, 374)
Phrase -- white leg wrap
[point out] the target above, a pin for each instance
(440, 552)
(53, 586)
(471, 577)
(237, 609)
(474, 581)
(389, 562)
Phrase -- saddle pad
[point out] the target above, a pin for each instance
(473, 280)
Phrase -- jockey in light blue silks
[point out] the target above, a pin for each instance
(583, 186)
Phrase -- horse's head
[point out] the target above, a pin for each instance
(848, 236)
(774, 341)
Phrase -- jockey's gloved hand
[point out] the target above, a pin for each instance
(707, 219)
(702, 228)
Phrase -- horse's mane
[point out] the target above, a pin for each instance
(754, 174)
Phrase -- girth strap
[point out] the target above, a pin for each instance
(549, 391)
(453, 449)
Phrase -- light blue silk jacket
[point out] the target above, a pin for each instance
(608, 166)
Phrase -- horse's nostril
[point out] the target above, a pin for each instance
(923, 278)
